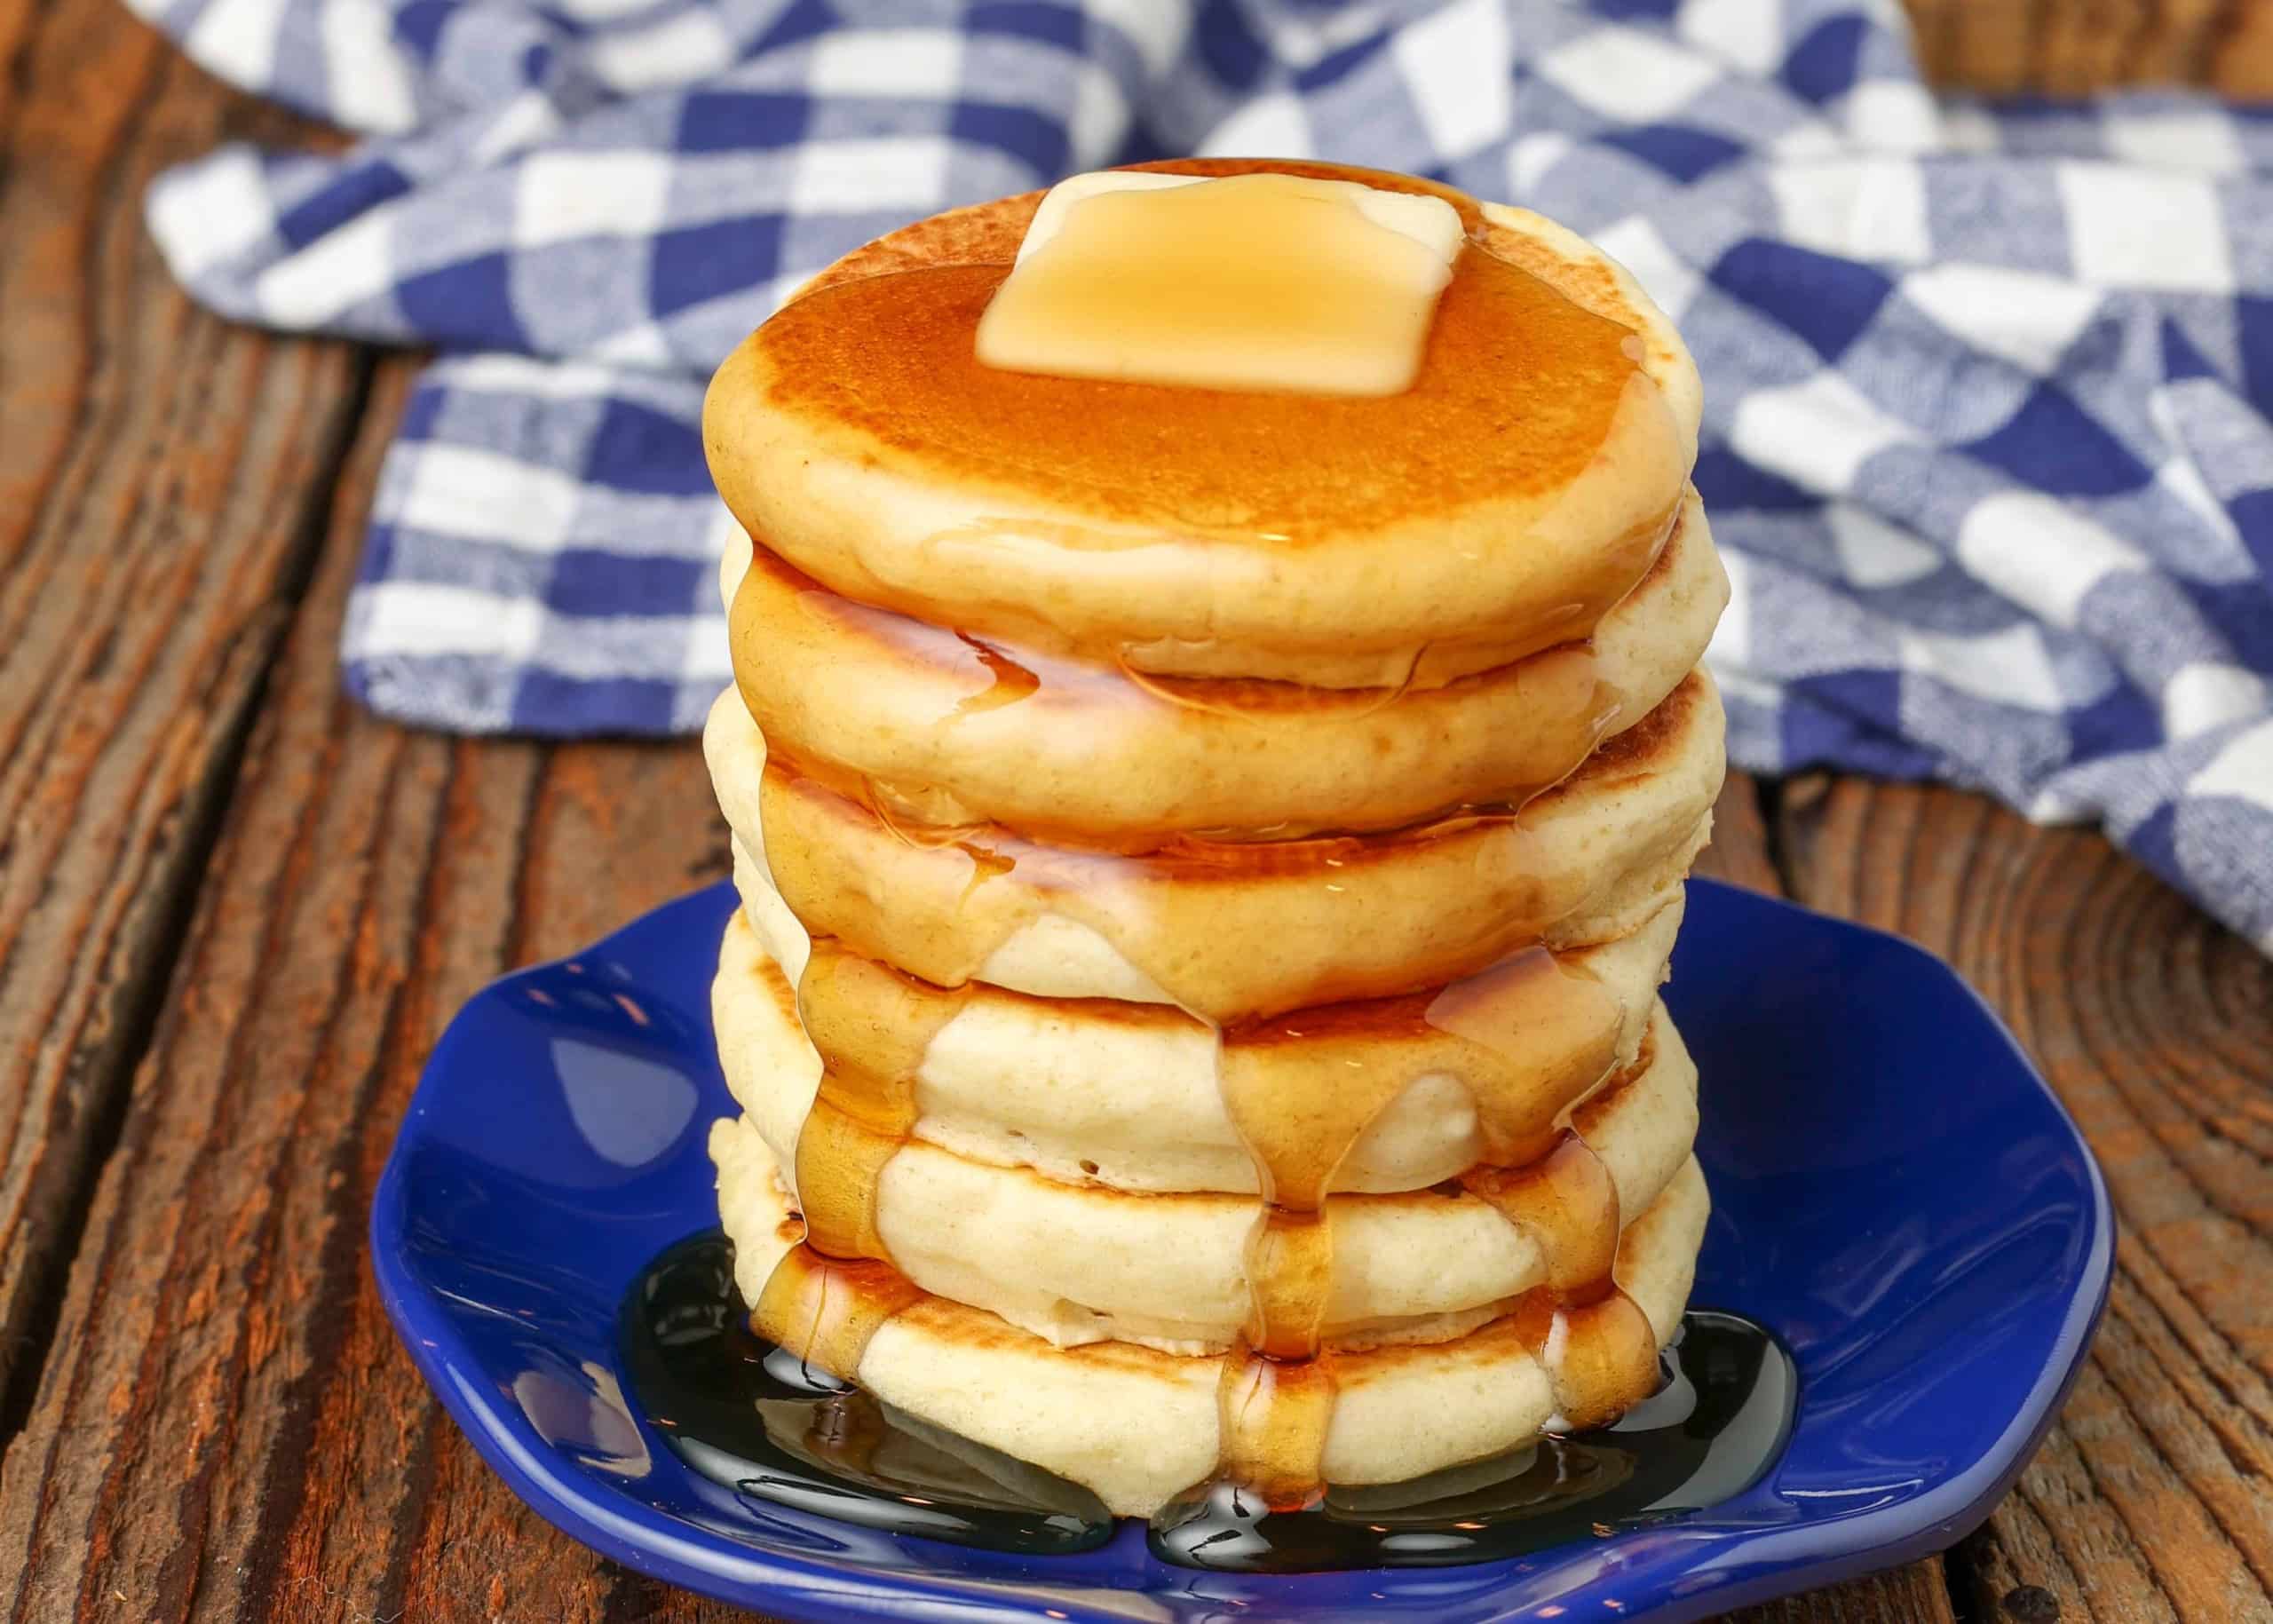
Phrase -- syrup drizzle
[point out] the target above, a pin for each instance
(1533, 1039)
(1530, 1038)
(926, 725)
(780, 1430)
(1541, 1036)
(865, 1109)
(1593, 1342)
(1013, 682)
(1227, 930)
(1719, 1416)
(828, 1308)
(745, 1412)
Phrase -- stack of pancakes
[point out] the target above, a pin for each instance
(1208, 859)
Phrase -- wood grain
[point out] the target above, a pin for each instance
(2153, 1498)
(1912, 1594)
(2073, 48)
(227, 1428)
(159, 474)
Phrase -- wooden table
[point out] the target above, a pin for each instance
(236, 911)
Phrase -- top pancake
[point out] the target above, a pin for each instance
(1520, 488)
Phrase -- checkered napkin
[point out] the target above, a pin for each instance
(1989, 433)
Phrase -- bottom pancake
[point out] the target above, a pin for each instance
(1137, 1427)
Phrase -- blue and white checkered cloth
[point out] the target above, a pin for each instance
(1989, 430)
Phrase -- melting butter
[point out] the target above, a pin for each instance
(1264, 281)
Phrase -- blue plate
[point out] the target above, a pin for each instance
(1896, 1193)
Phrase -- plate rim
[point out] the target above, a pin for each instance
(798, 1587)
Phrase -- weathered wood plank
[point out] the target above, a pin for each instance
(1912, 1594)
(2073, 48)
(157, 498)
(1740, 853)
(2153, 1498)
(227, 1428)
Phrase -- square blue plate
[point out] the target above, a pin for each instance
(1896, 1193)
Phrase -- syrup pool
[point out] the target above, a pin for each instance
(749, 1416)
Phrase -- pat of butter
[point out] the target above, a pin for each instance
(1264, 281)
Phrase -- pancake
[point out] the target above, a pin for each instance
(1232, 931)
(1137, 1426)
(1500, 506)
(1368, 1099)
(936, 728)
(1208, 856)
(1085, 1262)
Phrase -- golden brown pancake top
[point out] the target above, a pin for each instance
(1517, 388)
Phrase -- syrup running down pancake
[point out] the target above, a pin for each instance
(1211, 810)
(1232, 929)
(1140, 1426)
(1080, 1261)
(935, 728)
(1131, 1095)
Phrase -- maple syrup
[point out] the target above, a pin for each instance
(1719, 1419)
(777, 1429)
(1227, 930)
(780, 1430)
(1529, 1038)
(1535, 1041)
(931, 726)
